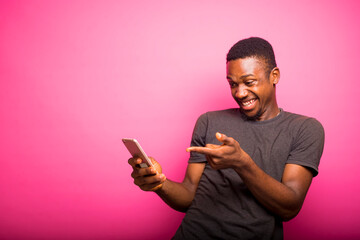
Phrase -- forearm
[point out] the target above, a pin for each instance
(282, 199)
(176, 195)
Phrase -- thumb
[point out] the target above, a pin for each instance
(223, 138)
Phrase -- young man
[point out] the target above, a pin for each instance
(250, 167)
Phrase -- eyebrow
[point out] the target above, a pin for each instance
(242, 77)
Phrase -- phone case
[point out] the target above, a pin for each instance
(136, 150)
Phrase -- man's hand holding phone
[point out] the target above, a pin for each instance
(147, 172)
(148, 178)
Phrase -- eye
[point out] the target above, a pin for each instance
(232, 84)
(250, 82)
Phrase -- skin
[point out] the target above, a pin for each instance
(177, 195)
(254, 90)
(248, 81)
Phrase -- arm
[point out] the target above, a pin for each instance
(177, 195)
(180, 195)
(283, 198)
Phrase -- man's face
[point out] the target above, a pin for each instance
(253, 88)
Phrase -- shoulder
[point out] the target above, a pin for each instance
(298, 121)
(219, 114)
(304, 128)
(308, 137)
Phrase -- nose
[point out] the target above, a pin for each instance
(241, 92)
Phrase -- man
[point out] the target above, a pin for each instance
(249, 168)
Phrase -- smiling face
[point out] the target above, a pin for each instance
(253, 88)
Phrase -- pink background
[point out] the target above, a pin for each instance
(77, 76)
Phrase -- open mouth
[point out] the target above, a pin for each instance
(247, 105)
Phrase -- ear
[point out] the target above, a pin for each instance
(275, 76)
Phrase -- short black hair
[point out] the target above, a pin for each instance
(253, 47)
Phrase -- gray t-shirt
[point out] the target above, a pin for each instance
(223, 207)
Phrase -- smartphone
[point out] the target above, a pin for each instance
(137, 152)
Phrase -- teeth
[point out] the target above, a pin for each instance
(248, 102)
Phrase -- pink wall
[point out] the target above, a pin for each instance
(77, 76)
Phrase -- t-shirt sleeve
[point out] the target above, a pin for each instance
(308, 145)
(199, 139)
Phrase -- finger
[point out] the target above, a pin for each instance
(134, 161)
(144, 181)
(151, 187)
(142, 172)
(203, 150)
(209, 160)
(213, 162)
(156, 186)
(141, 180)
(156, 165)
(212, 146)
(224, 139)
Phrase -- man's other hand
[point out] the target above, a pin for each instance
(227, 155)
